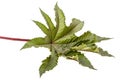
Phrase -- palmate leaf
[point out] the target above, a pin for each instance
(62, 41)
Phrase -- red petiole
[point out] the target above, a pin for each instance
(14, 39)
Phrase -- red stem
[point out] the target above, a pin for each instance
(14, 39)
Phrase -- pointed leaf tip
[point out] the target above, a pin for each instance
(56, 5)
(42, 27)
(85, 62)
(48, 20)
(49, 63)
(104, 53)
(49, 23)
(79, 57)
(60, 22)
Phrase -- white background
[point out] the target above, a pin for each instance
(100, 16)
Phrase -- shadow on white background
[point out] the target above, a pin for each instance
(100, 16)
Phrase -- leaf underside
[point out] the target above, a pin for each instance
(62, 41)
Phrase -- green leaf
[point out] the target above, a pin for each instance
(87, 47)
(62, 41)
(49, 63)
(84, 61)
(42, 27)
(66, 39)
(74, 27)
(48, 20)
(104, 53)
(77, 56)
(92, 48)
(60, 22)
(92, 38)
(35, 42)
(63, 48)
(49, 23)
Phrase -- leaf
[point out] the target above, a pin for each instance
(87, 47)
(42, 27)
(36, 42)
(49, 63)
(48, 20)
(77, 56)
(62, 41)
(74, 27)
(66, 39)
(49, 23)
(63, 48)
(104, 53)
(92, 48)
(92, 38)
(60, 22)
(84, 61)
